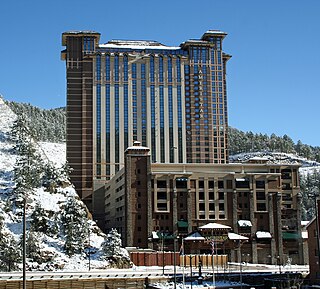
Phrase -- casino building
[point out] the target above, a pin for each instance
(147, 137)
(171, 99)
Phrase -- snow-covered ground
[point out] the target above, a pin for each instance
(51, 202)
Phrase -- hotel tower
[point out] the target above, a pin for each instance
(171, 99)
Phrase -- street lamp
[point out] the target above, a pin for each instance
(24, 245)
(89, 251)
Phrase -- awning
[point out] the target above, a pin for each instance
(182, 224)
(234, 236)
(244, 223)
(263, 235)
(194, 237)
(290, 236)
(214, 226)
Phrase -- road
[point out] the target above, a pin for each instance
(138, 272)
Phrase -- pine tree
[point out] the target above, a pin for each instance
(33, 247)
(75, 225)
(39, 220)
(9, 255)
(112, 245)
(28, 167)
(112, 248)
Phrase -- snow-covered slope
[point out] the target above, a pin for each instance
(52, 204)
(307, 166)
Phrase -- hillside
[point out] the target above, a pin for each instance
(60, 236)
(46, 125)
(242, 145)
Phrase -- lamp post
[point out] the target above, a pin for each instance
(89, 251)
(213, 276)
(183, 277)
(24, 241)
(162, 247)
(190, 256)
(175, 261)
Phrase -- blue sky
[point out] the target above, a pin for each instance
(273, 77)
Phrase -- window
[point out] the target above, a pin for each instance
(261, 207)
(162, 195)
(162, 207)
(161, 184)
(260, 184)
(261, 195)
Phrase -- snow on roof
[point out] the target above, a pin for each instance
(305, 223)
(263, 235)
(137, 44)
(195, 237)
(215, 226)
(212, 31)
(244, 223)
(234, 236)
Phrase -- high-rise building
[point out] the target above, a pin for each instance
(171, 99)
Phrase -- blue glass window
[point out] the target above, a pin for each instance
(98, 127)
(170, 106)
(153, 123)
(152, 68)
(108, 129)
(161, 69)
(98, 67)
(162, 135)
(169, 69)
(107, 67)
(125, 68)
(116, 68)
(116, 125)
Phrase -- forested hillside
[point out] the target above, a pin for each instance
(45, 124)
(240, 142)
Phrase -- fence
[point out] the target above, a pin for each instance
(167, 259)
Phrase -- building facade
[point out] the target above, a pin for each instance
(171, 99)
(255, 199)
(314, 244)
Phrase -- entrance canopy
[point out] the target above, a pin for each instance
(215, 226)
(194, 237)
(234, 236)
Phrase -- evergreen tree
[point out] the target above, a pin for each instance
(28, 167)
(112, 244)
(33, 247)
(39, 220)
(75, 225)
(9, 255)
(113, 250)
